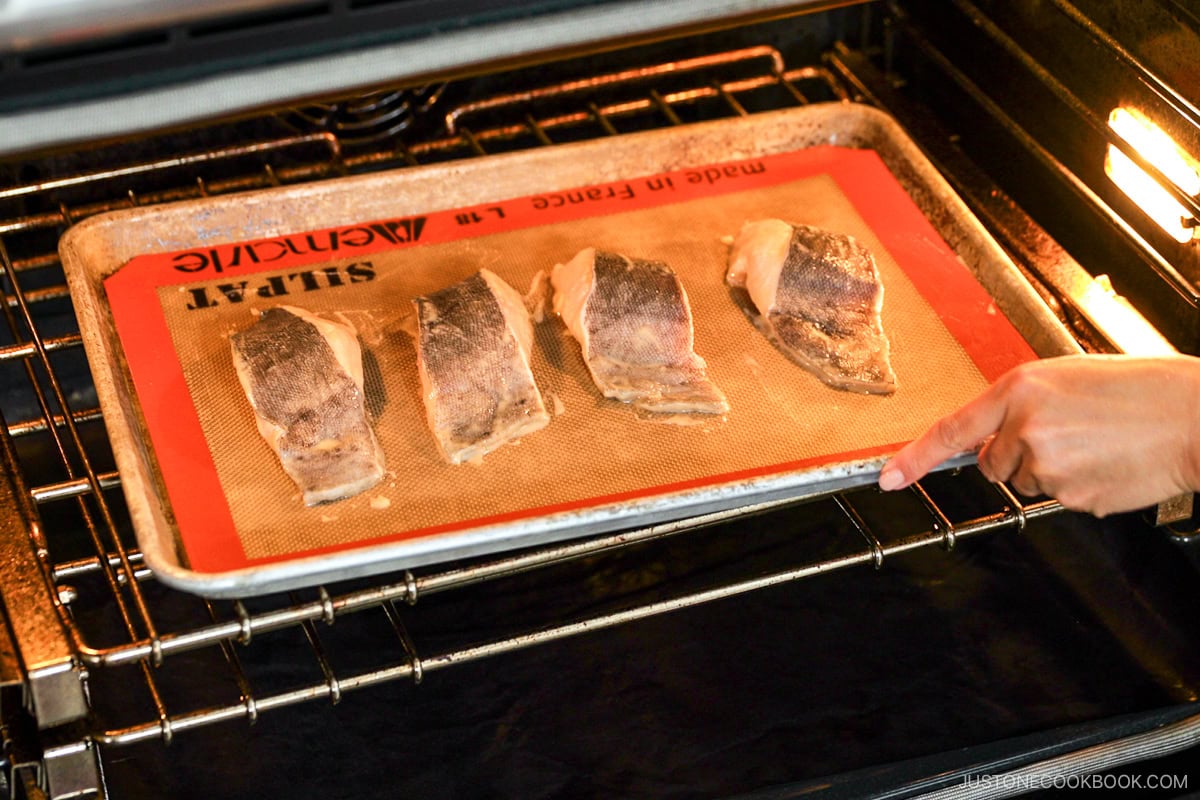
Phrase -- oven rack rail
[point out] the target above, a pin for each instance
(42, 567)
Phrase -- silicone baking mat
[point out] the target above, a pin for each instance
(235, 508)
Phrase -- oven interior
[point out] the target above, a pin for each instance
(855, 644)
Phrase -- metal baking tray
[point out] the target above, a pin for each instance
(456, 204)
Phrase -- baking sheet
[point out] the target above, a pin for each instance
(215, 514)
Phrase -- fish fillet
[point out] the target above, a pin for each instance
(303, 376)
(820, 300)
(473, 345)
(633, 322)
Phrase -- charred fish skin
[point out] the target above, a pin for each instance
(303, 378)
(473, 344)
(634, 325)
(821, 300)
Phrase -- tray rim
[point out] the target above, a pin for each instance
(101, 245)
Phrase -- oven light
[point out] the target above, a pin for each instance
(1120, 321)
(1159, 149)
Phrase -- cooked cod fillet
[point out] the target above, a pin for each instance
(820, 298)
(473, 345)
(633, 322)
(303, 376)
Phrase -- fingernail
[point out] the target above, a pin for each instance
(891, 478)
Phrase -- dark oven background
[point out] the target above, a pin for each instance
(856, 644)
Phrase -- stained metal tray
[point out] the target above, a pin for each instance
(462, 194)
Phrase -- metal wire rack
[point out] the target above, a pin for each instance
(85, 613)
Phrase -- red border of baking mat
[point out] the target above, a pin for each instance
(205, 523)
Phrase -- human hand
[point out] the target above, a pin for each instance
(1101, 434)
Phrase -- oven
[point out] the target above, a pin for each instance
(955, 639)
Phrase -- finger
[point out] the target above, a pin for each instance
(952, 434)
(984, 460)
(1001, 457)
(1025, 481)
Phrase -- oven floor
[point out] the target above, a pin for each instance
(1000, 639)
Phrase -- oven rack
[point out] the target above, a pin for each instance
(82, 607)
(327, 609)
